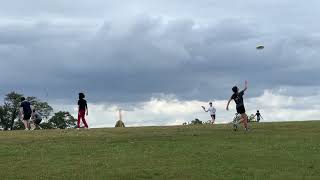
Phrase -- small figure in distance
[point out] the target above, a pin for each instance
(36, 118)
(212, 112)
(82, 110)
(259, 117)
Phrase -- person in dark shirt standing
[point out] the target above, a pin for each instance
(25, 112)
(238, 99)
(258, 116)
(82, 110)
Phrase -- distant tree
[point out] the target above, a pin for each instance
(251, 118)
(18, 125)
(237, 118)
(3, 117)
(196, 121)
(62, 120)
(47, 125)
(11, 109)
(208, 122)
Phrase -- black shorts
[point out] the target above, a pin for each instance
(26, 116)
(213, 116)
(241, 110)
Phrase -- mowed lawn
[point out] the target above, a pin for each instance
(269, 151)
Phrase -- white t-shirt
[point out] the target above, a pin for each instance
(212, 110)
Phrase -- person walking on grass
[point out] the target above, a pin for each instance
(259, 117)
(82, 110)
(36, 118)
(238, 99)
(212, 112)
(25, 113)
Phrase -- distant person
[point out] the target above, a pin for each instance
(238, 99)
(25, 113)
(212, 112)
(36, 117)
(82, 110)
(259, 117)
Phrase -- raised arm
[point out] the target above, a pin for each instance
(245, 85)
(204, 109)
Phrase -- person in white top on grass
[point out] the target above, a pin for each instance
(212, 112)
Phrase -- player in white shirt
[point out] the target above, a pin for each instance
(212, 111)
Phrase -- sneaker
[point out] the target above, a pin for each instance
(235, 127)
(26, 129)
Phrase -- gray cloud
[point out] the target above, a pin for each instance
(130, 59)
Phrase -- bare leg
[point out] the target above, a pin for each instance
(213, 119)
(244, 119)
(25, 123)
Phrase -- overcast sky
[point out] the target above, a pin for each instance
(164, 54)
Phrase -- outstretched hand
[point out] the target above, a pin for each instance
(245, 85)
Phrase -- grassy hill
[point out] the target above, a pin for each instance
(269, 151)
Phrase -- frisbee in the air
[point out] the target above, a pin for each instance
(260, 47)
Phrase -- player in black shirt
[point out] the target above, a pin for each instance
(83, 110)
(238, 99)
(259, 117)
(25, 112)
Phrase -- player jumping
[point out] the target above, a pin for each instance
(238, 99)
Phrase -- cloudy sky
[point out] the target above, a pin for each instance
(160, 60)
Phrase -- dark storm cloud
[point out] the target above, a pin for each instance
(150, 56)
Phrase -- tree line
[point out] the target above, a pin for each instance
(10, 108)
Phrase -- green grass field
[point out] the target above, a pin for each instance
(269, 151)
